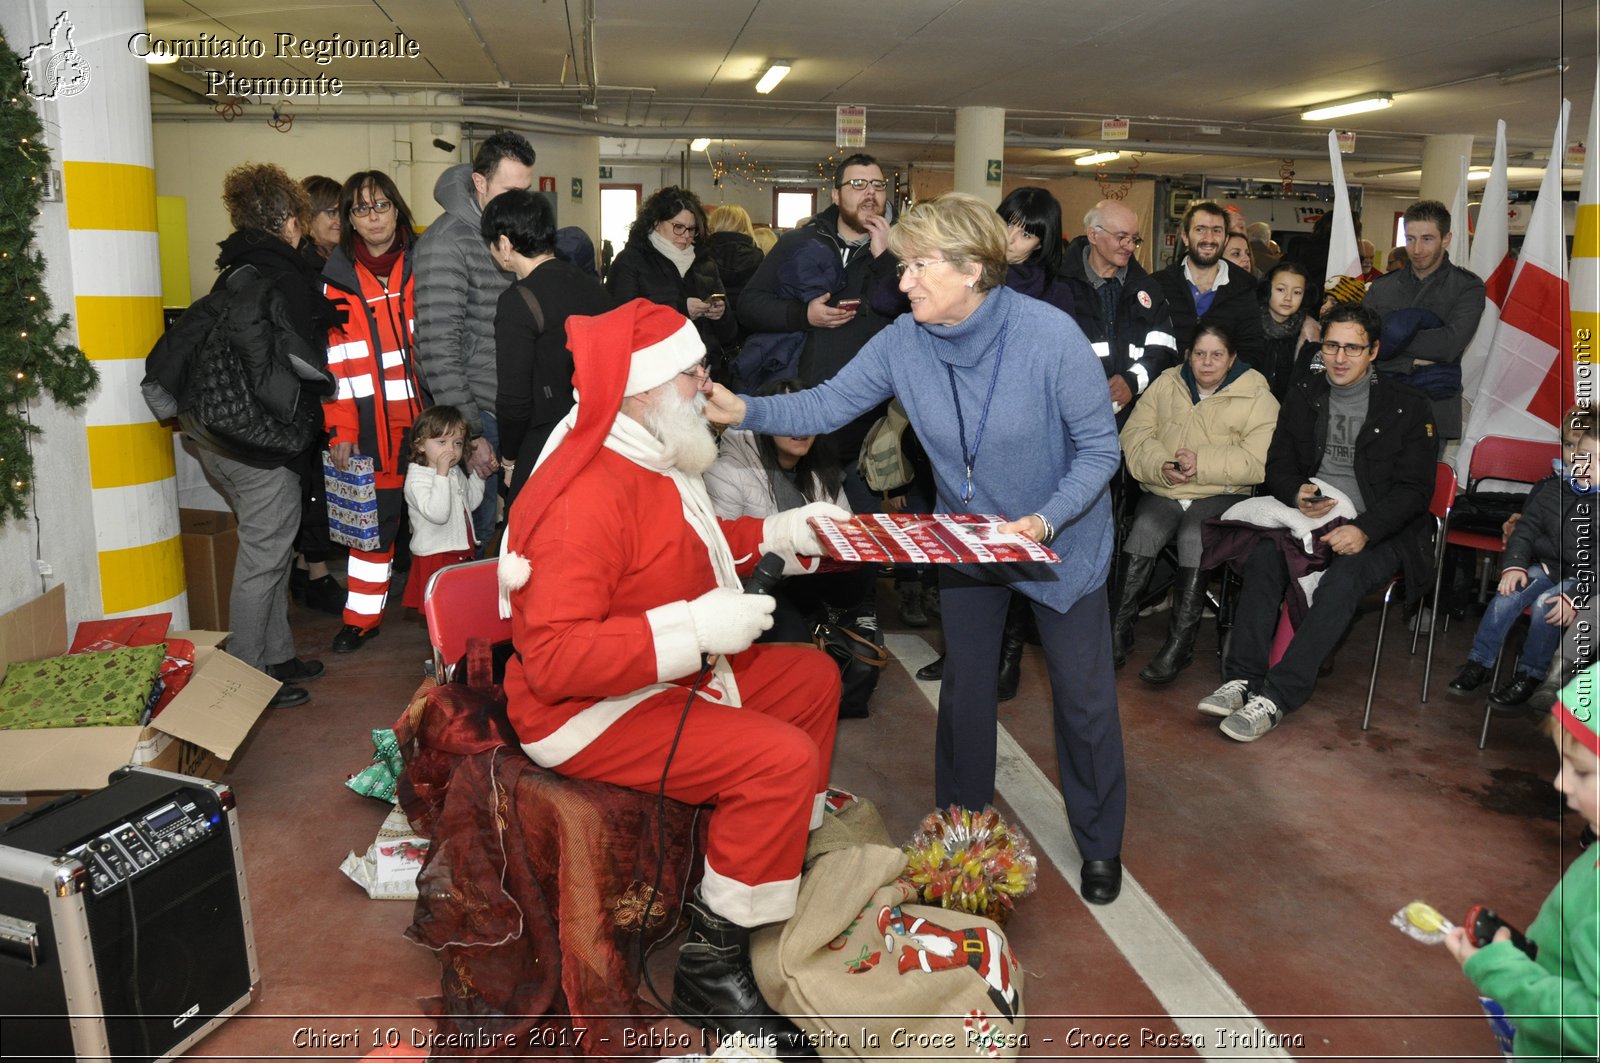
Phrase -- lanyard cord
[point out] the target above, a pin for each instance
(970, 458)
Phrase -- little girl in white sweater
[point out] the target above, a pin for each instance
(440, 498)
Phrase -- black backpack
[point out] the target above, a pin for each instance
(230, 369)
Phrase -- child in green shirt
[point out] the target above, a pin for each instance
(1553, 1000)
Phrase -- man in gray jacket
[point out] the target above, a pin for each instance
(1432, 282)
(458, 285)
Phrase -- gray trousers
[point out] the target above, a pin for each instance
(266, 503)
(1158, 517)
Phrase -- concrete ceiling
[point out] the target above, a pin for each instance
(648, 75)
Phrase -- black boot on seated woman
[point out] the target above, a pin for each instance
(1189, 601)
(1135, 575)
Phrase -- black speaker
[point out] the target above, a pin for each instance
(124, 921)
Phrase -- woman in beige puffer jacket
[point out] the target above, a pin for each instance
(1197, 443)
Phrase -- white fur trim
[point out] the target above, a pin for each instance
(512, 571)
(768, 902)
(677, 648)
(660, 362)
(819, 810)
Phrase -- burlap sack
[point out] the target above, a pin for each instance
(868, 976)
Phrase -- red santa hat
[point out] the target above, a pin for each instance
(622, 352)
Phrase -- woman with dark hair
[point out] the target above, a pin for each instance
(1290, 333)
(322, 235)
(757, 475)
(1033, 246)
(1197, 443)
(666, 261)
(369, 275)
(309, 580)
(269, 212)
(530, 327)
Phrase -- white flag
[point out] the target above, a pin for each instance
(1491, 260)
(1344, 253)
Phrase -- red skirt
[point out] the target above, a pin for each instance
(423, 567)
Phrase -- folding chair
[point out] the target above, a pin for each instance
(462, 602)
(1444, 495)
(1494, 458)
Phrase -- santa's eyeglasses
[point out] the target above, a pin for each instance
(699, 371)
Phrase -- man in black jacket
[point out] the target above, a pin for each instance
(1372, 438)
(1117, 305)
(836, 324)
(1200, 286)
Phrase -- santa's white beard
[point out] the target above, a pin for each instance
(681, 426)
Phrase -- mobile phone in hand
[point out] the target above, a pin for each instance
(848, 304)
(716, 297)
(1316, 496)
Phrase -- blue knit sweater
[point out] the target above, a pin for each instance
(1049, 445)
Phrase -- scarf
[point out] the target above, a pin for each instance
(381, 266)
(1273, 330)
(682, 259)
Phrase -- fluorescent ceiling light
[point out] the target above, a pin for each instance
(1372, 101)
(775, 73)
(1479, 173)
(699, 143)
(1097, 157)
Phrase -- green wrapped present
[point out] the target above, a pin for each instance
(380, 778)
(108, 688)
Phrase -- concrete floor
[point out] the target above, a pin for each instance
(1261, 878)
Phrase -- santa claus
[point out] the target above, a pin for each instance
(623, 588)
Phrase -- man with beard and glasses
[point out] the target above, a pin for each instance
(629, 625)
(836, 324)
(1201, 286)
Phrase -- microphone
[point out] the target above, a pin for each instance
(766, 577)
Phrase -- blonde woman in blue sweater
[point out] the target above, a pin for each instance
(1008, 400)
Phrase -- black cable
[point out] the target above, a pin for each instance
(661, 834)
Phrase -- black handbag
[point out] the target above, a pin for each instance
(859, 653)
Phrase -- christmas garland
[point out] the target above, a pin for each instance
(34, 353)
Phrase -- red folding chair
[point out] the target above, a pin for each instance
(1444, 495)
(1494, 458)
(462, 602)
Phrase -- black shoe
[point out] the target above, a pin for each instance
(295, 670)
(288, 697)
(1102, 880)
(715, 989)
(299, 580)
(1135, 574)
(1517, 692)
(1472, 676)
(351, 638)
(325, 595)
(932, 672)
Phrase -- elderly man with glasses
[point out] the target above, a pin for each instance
(1116, 304)
(1366, 438)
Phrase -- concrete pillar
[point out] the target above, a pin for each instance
(1441, 168)
(107, 162)
(428, 161)
(585, 165)
(980, 142)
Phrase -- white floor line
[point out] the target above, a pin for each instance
(1197, 999)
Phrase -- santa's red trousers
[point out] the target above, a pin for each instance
(761, 765)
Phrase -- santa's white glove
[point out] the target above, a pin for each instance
(727, 621)
(788, 533)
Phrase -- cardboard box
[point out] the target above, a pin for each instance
(210, 545)
(197, 734)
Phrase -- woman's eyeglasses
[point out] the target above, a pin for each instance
(679, 229)
(377, 206)
(916, 268)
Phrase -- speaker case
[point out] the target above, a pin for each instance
(56, 893)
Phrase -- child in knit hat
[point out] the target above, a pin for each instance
(1553, 999)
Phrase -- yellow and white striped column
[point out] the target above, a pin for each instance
(107, 162)
(1584, 272)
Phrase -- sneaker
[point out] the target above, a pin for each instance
(1227, 699)
(1258, 716)
(911, 614)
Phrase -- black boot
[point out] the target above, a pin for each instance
(1189, 601)
(1011, 650)
(1135, 574)
(716, 990)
